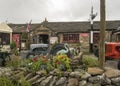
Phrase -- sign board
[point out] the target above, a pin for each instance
(23, 44)
(53, 40)
(84, 34)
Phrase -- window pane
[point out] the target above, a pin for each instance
(71, 38)
(5, 38)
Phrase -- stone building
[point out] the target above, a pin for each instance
(20, 35)
(74, 33)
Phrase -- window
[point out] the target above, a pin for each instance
(71, 38)
(118, 37)
(96, 38)
(5, 38)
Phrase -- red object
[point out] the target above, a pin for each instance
(84, 34)
(58, 62)
(112, 50)
(35, 59)
(16, 38)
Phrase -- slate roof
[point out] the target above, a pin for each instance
(110, 25)
(80, 26)
(67, 26)
(17, 28)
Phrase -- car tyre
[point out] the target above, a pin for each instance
(119, 64)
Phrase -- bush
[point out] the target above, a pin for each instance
(13, 45)
(62, 62)
(5, 81)
(24, 82)
(40, 63)
(16, 52)
(15, 62)
(90, 61)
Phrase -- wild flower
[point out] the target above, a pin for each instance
(61, 62)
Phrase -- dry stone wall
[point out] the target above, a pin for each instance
(92, 77)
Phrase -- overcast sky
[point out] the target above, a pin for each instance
(22, 11)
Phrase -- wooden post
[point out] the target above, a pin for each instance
(102, 34)
(28, 46)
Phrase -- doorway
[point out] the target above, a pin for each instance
(44, 38)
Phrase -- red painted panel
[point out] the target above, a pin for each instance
(16, 39)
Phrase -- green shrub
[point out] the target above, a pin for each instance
(24, 82)
(41, 63)
(5, 81)
(16, 52)
(13, 45)
(90, 61)
(15, 62)
(62, 62)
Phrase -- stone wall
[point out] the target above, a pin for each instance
(92, 77)
(84, 41)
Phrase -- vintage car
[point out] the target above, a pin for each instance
(37, 49)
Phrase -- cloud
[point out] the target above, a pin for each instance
(22, 11)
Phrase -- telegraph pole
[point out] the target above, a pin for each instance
(102, 34)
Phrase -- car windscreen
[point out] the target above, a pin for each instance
(38, 49)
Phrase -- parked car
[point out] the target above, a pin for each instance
(37, 49)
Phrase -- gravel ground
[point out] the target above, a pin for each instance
(111, 63)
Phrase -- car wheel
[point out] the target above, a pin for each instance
(108, 58)
(119, 64)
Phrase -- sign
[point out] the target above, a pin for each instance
(23, 44)
(84, 34)
(53, 40)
